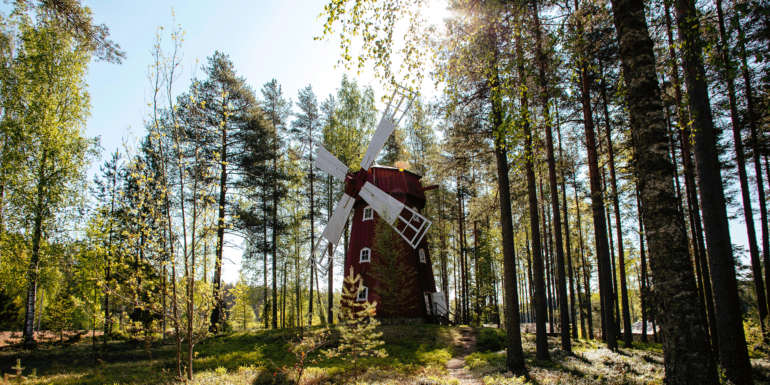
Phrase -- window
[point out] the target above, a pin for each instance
(368, 213)
(422, 256)
(363, 294)
(366, 255)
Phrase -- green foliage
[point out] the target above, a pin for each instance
(396, 277)
(754, 339)
(357, 325)
(491, 340)
(59, 313)
(242, 313)
(268, 378)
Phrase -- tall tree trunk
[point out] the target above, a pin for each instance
(217, 314)
(567, 235)
(274, 235)
(749, 92)
(748, 213)
(34, 261)
(615, 301)
(685, 139)
(597, 209)
(561, 286)
(643, 281)
(586, 272)
(733, 352)
(627, 336)
(515, 355)
(541, 311)
(686, 350)
(312, 235)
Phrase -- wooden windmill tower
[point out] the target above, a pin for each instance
(396, 196)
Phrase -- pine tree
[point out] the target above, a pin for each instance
(357, 325)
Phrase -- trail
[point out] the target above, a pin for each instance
(466, 346)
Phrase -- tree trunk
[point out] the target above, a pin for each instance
(597, 209)
(627, 336)
(748, 213)
(586, 271)
(217, 314)
(643, 279)
(33, 269)
(757, 166)
(515, 354)
(686, 351)
(541, 311)
(312, 234)
(567, 242)
(561, 286)
(685, 139)
(733, 352)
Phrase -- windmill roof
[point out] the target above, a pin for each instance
(396, 168)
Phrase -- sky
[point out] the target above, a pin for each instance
(264, 39)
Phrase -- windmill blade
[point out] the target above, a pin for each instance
(336, 224)
(384, 129)
(408, 222)
(390, 119)
(330, 164)
(331, 234)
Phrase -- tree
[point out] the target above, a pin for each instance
(686, 348)
(389, 267)
(277, 110)
(307, 129)
(49, 105)
(59, 313)
(227, 111)
(357, 325)
(733, 352)
(242, 312)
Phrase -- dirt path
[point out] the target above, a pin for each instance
(455, 365)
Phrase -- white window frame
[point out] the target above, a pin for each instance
(370, 210)
(421, 252)
(365, 296)
(368, 255)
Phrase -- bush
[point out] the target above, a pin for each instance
(268, 378)
(491, 340)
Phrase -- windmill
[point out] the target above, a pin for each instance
(398, 206)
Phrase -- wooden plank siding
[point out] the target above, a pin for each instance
(403, 186)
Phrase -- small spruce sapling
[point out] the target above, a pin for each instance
(357, 325)
(59, 317)
(396, 277)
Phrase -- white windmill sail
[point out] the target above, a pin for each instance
(332, 233)
(329, 163)
(390, 119)
(408, 222)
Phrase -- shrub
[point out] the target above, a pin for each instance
(491, 340)
(267, 378)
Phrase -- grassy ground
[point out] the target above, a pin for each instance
(417, 354)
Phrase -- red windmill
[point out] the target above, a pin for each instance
(394, 195)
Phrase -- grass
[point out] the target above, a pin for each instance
(413, 350)
(417, 354)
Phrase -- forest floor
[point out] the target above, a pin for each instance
(417, 354)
